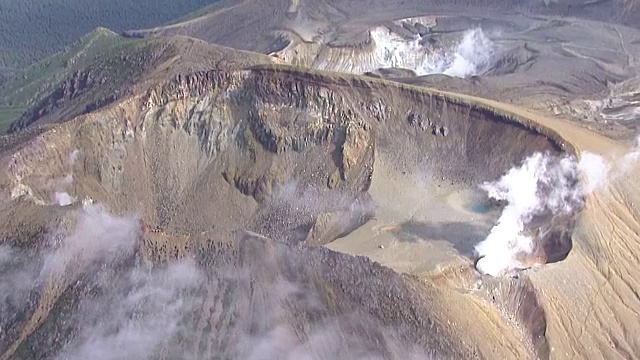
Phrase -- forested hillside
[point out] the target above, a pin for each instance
(32, 29)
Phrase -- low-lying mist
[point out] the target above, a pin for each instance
(133, 315)
(127, 307)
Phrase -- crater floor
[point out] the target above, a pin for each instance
(421, 225)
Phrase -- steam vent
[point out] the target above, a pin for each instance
(320, 180)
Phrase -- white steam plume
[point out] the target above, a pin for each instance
(62, 198)
(597, 172)
(632, 157)
(471, 54)
(467, 58)
(594, 169)
(98, 235)
(541, 184)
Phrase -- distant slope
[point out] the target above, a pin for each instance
(32, 29)
(38, 80)
(34, 79)
(256, 25)
(124, 69)
(244, 25)
(215, 5)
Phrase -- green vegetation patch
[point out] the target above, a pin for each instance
(37, 81)
(8, 115)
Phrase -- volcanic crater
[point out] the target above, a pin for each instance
(364, 167)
